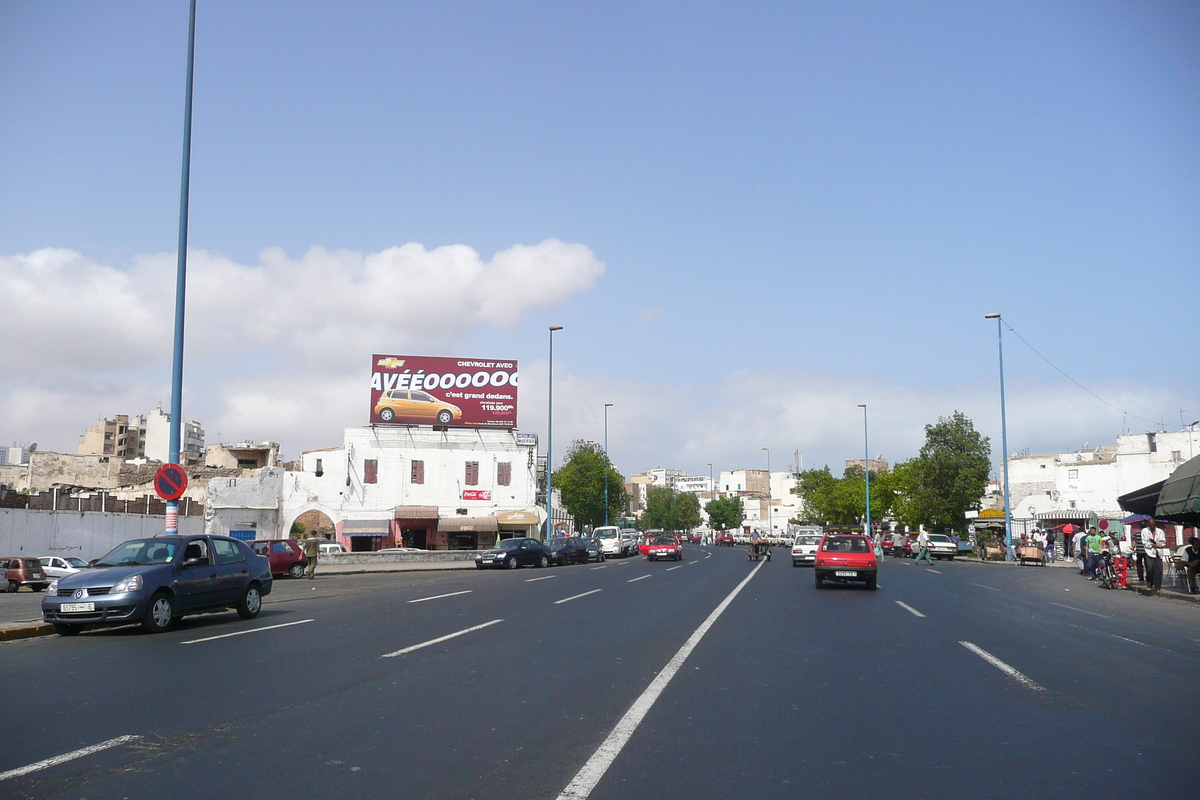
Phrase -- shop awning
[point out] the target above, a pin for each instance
(366, 527)
(1179, 500)
(992, 514)
(468, 524)
(415, 512)
(1065, 513)
(1141, 501)
(517, 518)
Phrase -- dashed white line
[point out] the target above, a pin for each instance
(709, 555)
(602, 566)
(243, 633)
(633, 580)
(590, 773)
(543, 578)
(577, 596)
(983, 586)
(1122, 638)
(440, 639)
(1081, 610)
(440, 596)
(674, 568)
(50, 762)
(909, 608)
(1005, 668)
(934, 571)
(697, 561)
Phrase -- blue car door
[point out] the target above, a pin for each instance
(233, 571)
(196, 586)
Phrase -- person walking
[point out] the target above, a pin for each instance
(1095, 544)
(877, 541)
(1050, 545)
(312, 549)
(1139, 550)
(1154, 540)
(923, 548)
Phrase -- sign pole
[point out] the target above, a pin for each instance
(172, 522)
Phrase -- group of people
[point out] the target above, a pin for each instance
(1146, 547)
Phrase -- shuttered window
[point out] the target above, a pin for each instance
(418, 472)
(371, 470)
(472, 473)
(504, 473)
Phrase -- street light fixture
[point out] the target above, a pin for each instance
(550, 441)
(770, 505)
(1008, 553)
(607, 406)
(866, 467)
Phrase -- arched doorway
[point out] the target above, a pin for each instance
(313, 521)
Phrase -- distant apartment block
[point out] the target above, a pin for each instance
(145, 436)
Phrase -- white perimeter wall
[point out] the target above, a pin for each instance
(86, 535)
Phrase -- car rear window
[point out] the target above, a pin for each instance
(845, 544)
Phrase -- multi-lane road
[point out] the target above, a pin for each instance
(713, 677)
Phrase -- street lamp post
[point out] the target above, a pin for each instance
(866, 466)
(550, 441)
(607, 406)
(1008, 553)
(712, 495)
(770, 505)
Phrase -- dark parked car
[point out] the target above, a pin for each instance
(513, 553)
(286, 556)
(568, 549)
(158, 580)
(20, 572)
(595, 550)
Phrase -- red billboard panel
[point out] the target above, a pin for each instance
(431, 390)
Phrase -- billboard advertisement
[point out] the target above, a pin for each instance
(432, 390)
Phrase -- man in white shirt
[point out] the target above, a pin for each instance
(923, 548)
(1154, 541)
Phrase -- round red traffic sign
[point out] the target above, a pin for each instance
(170, 481)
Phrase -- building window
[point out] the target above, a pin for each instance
(371, 470)
(1072, 474)
(1072, 504)
(320, 470)
(418, 472)
(472, 473)
(247, 463)
(504, 473)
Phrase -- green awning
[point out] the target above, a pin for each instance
(1179, 500)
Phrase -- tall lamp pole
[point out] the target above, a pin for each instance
(172, 520)
(607, 406)
(770, 505)
(550, 441)
(866, 466)
(1008, 553)
(712, 495)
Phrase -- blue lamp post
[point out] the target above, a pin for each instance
(550, 442)
(607, 406)
(1008, 552)
(866, 466)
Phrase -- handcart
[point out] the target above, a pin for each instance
(759, 550)
(1031, 554)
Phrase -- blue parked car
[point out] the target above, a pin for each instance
(157, 581)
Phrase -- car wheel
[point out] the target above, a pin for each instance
(820, 580)
(251, 602)
(13, 586)
(37, 588)
(544, 562)
(296, 570)
(795, 563)
(160, 614)
(949, 558)
(479, 566)
(871, 583)
(444, 417)
(387, 415)
(512, 562)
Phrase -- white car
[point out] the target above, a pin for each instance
(60, 567)
(942, 546)
(804, 549)
(330, 547)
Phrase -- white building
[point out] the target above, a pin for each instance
(743, 481)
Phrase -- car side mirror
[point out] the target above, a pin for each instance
(193, 562)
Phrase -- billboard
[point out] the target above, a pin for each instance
(432, 390)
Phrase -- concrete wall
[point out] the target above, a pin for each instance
(251, 503)
(86, 535)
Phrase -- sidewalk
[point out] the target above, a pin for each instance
(1169, 589)
(26, 612)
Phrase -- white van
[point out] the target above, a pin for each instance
(616, 543)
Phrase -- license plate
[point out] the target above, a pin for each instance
(846, 573)
(69, 607)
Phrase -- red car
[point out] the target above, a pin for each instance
(725, 540)
(667, 547)
(846, 558)
(286, 556)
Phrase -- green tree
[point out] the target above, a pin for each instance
(582, 479)
(660, 509)
(725, 512)
(950, 474)
(297, 530)
(685, 511)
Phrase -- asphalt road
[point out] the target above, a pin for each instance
(789, 691)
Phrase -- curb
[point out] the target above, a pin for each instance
(25, 632)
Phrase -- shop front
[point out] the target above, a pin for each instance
(516, 524)
(467, 533)
(365, 535)
(415, 526)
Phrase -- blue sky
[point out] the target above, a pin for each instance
(780, 211)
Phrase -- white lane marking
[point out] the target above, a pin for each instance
(440, 639)
(672, 568)
(605, 566)
(908, 608)
(1005, 668)
(634, 580)
(1135, 641)
(709, 555)
(577, 596)
(56, 760)
(927, 569)
(543, 578)
(1081, 610)
(440, 596)
(982, 586)
(243, 633)
(590, 773)
(697, 561)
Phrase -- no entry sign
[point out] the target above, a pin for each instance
(170, 481)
